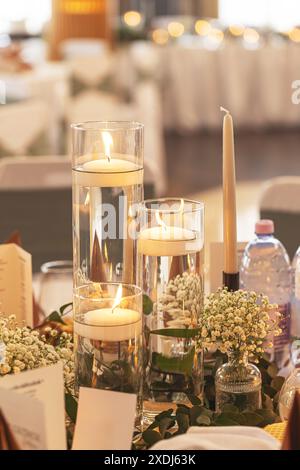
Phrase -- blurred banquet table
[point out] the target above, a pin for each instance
(255, 84)
(48, 82)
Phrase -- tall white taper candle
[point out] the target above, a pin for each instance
(229, 197)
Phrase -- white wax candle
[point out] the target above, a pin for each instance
(168, 241)
(117, 171)
(229, 198)
(106, 324)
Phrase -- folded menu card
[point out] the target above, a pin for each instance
(33, 402)
(24, 416)
(16, 283)
(105, 420)
(7, 438)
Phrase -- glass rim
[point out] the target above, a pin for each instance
(199, 205)
(111, 126)
(137, 290)
(57, 267)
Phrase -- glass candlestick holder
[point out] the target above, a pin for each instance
(107, 187)
(108, 338)
(171, 258)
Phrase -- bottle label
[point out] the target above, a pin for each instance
(285, 326)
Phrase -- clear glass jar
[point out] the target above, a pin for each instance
(171, 256)
(238, 383)
(56, 285)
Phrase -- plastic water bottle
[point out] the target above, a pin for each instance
(266, 269)
(295, 328)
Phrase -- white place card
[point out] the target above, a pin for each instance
(105, 420)
(26, 419)
(45, 385)
(16, 283)
(216, 263)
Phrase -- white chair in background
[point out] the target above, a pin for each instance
(36, 200)
(32, 173)
(84, 47)
(280, 201)
(22, 125)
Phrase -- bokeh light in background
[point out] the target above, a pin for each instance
(203, 27)
(132, 18)
(236, 30)
(251, 36)
(294, 35)
(175, 29)
(160, 36)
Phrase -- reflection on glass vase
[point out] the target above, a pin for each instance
(238, 383)
(170, 247)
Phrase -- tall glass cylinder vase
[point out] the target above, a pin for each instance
(107, 187)
(171, 259)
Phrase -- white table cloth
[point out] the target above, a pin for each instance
(255, 84)
(48, 82)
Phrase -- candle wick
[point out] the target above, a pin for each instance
(224, 110)
(108, 158)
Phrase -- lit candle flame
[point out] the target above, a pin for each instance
(118, 298)
(107, 141)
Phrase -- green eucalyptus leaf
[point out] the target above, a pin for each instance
(147, 305)
(183, 422)
(226, 419)
(66, 308)
(277, 383)
(228, 408)
(151, 437)
(269, 391)
(268, 417)
(177, 365)
(194, 400)
(272, 370)
(177, 332)
(164, 414)
(203, 420)
(164, 425)
(71, 407)
(55, 317)
(252, 418)
(267, 402)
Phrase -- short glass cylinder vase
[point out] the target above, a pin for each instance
(108, 338)
(170, 251)
(238, 383)
(107, 188)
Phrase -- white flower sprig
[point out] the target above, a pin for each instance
(239, 322)
(28, 349)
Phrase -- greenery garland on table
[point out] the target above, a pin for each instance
(52, 342)
(168, 424)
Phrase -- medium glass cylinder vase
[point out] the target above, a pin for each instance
(107, 187)
(238, 383)
(171, 256)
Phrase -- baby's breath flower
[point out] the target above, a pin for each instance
(26, 349)
(239, 321)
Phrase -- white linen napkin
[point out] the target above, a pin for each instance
(220, 438)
